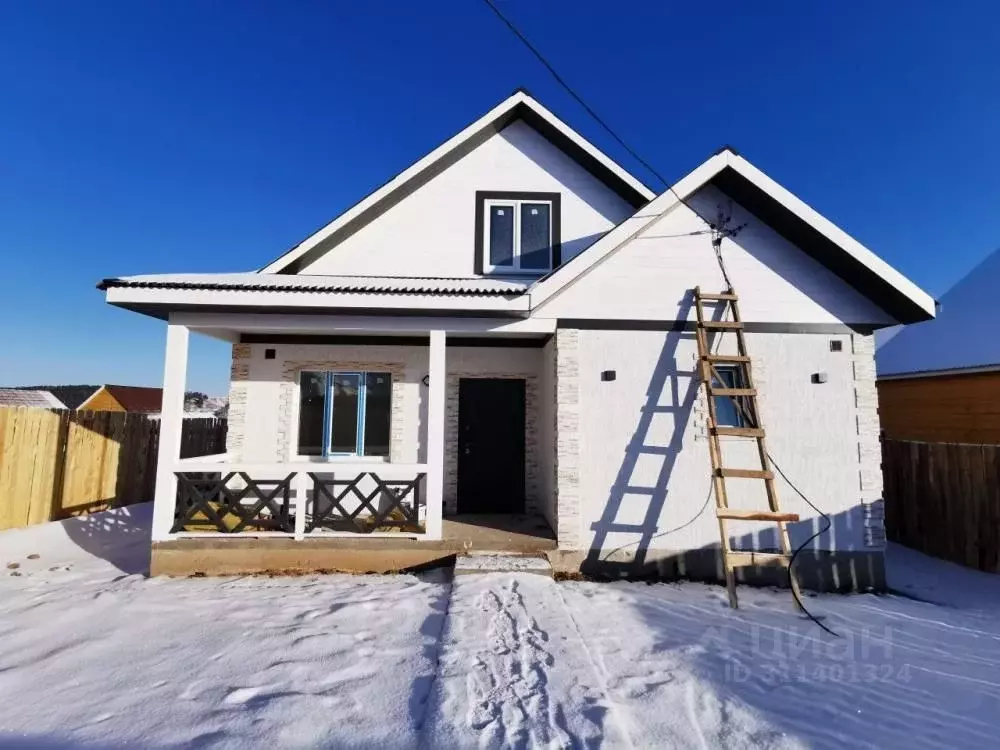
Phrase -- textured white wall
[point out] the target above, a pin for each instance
(432, 231)
(642, 439)
(649, 278)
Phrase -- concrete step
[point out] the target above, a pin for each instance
(501, 562)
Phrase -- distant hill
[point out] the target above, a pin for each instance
(71, 395)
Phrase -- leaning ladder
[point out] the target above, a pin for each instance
(744, 396)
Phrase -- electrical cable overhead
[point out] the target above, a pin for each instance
(590, 111)
(569, 89)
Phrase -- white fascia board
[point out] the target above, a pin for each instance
(587, 146)
(690, 184)
(360, 324)
(625, 232)
(455, 141)
(833, 233)
(264, 299)
(400, 179)
(407, 174)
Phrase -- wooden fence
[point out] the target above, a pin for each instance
(944, 499)
(55, 464)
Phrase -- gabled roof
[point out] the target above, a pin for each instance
(132, 398)
(71, 396)
(780, 210)
(519, 106)
(24, 397)
(962, 336)
(136, 398)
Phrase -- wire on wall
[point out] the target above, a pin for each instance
(719, 230)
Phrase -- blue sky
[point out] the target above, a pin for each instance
(155, 136)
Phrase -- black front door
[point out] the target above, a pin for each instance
(490, 445)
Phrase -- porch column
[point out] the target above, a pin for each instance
(437, 377)
(171, 422)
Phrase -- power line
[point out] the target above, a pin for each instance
(590, 111)
(569, 89)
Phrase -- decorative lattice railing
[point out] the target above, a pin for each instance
(365, 503)
(287, 500)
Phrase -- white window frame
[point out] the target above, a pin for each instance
(516, 204)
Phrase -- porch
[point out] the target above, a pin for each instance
(287, 496)
(237, 554)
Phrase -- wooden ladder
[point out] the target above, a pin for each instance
(744, 395)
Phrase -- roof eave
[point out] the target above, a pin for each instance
(855, 264)
(820, 238)
(160, 303)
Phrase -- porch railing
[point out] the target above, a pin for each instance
(218, 496)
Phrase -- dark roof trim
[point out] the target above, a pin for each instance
(366, 340)
(816, 245)
(609, 324)
(520, 111)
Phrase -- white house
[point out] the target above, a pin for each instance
(502, 336)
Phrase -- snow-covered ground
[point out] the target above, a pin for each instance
(95, 655)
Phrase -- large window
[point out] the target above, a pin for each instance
(517, 232)
(344, 413)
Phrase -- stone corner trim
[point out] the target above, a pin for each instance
(568, 499)
(869, 446)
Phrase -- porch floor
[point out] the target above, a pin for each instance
(505, 532)
(462, 534)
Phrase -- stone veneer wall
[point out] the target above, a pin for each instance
(869, 447)
(239, 373)
(531, 442)
(272, 386)
(568, 439)
(288, 408)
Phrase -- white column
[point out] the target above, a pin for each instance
(437, 376)
(301, 486)
(171, 422)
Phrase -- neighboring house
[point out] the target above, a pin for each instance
(25, 397)
(71, 396)
(130, 398)
(506, 328)
(939, 381)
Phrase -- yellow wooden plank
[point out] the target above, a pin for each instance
(739, 514)
(46, 455)
(10, 506)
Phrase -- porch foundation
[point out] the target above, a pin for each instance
(215, 556)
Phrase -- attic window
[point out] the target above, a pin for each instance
(517, 233)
